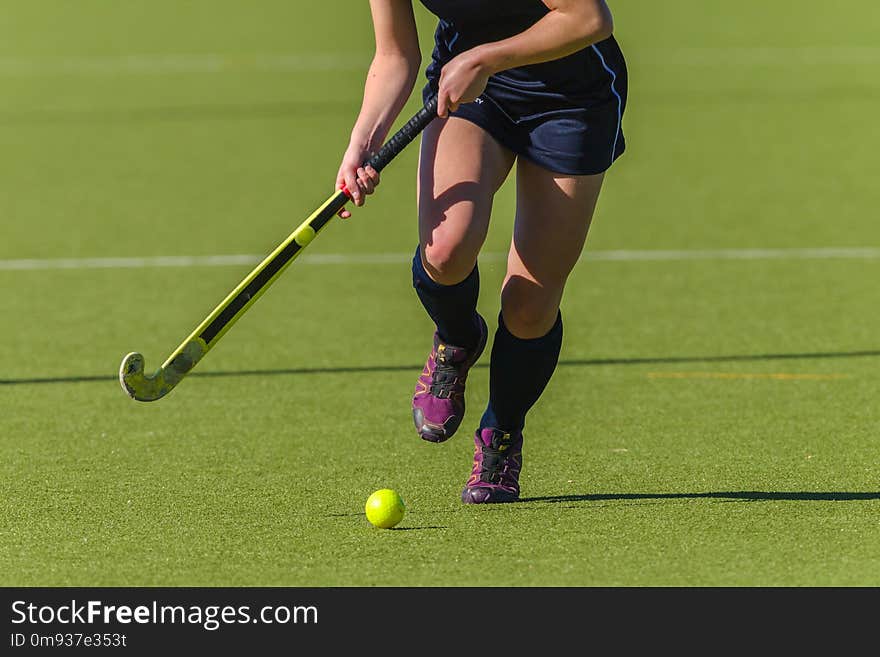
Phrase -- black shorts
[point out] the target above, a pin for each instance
(565, 115)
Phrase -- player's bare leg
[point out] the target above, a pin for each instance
(460, 169)
(553, 217)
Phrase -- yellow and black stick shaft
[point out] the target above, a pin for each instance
(143, 387)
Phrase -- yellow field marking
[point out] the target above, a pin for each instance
(777, 376)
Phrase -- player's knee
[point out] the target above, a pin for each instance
(447, 264)
(528, 322)
(528, 310)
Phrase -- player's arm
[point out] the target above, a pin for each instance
(569, 26)
(390, 80)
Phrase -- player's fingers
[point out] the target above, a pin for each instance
(365, 181)
(354, 189)
(442, 110)
(373, 174)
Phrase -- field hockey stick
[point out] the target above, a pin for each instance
(144, 387)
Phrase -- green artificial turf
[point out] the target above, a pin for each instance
(713, 421)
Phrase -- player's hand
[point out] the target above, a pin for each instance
(359, 181)
(462, 80)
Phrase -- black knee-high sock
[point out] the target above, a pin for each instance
(452, 307)
(519, 372)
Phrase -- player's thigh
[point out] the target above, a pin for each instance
(460, 168)
(553, 217)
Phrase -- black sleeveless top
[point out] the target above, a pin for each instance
(514, 12)
(581, 78)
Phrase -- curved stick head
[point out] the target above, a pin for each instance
(144, 387)
(138, 385)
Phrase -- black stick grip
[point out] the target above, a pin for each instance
(404, 136)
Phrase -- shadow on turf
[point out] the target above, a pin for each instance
(354, 515)
(406, 529)
(750, 496)
(589, 362)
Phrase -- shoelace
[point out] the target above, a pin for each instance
(494, 466)
(444, 379)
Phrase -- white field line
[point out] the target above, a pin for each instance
(769, 55)
(175, 64)
(855, 253)
(212, 63)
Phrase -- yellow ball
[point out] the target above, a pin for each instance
(385, 508)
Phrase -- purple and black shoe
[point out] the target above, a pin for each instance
(497, 463)
(438, 401)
